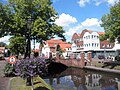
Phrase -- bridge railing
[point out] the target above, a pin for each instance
(81, 62)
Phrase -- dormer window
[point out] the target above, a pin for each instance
(97, 37)
(103, 45)
(55, 44)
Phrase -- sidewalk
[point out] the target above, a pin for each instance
(4, 81)
(102, 69)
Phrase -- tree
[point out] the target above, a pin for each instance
(17, 45)
(5, 19)
(59, 50)
(40, 16)
(111, 23)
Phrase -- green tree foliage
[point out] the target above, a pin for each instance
(17, 14)
(17, 45)
(43, 16)
(59, 49)
(4, 20)
(111, 23)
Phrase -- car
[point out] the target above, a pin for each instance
(101, 57)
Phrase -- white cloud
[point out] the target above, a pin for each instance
(65, 20)
(112, 2)
(5, 39)
(98, 3)
(83, 2)
(89, 23)
(73, 30)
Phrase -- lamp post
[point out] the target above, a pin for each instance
(28, 37)
(104, 51)
(34, 43)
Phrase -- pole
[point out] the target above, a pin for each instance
(34, 43)
(104, 52)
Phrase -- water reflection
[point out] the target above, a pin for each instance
(77, 79)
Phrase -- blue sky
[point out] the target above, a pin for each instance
(77, 15)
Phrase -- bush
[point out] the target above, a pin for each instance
(117, 58)
(26, 68)
(9, 70)
(30, 67)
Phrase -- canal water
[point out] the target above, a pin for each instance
(79, 79)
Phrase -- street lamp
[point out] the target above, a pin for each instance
(28, 37)
(34, 43)
(104, 46)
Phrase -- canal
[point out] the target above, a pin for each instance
(79, 79)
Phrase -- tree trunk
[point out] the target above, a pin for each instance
(28, 82)
(28, 48)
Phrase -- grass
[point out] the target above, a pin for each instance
(18, 83)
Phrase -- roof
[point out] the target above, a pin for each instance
(79, 35)
(83, 32)
(105, 44)
(54, 42)
(101, 33)
(63, 46)
(75, 36)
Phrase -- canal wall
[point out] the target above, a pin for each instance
(102, 69)
(81, 63)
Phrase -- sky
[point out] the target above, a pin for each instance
(77, 15)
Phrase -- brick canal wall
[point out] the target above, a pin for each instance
(76, 62)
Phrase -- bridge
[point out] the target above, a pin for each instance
(72, 62)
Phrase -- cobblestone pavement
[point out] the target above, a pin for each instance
(4, 81)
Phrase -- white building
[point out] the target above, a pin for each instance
(89, 40)
(52, 46)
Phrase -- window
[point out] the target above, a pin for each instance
(55, 44)
(103, 45)
(95, 44)
(89, 37)
(109, 45)
(89, 44)
(92, 36)
(92, 44)
(97, 37)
